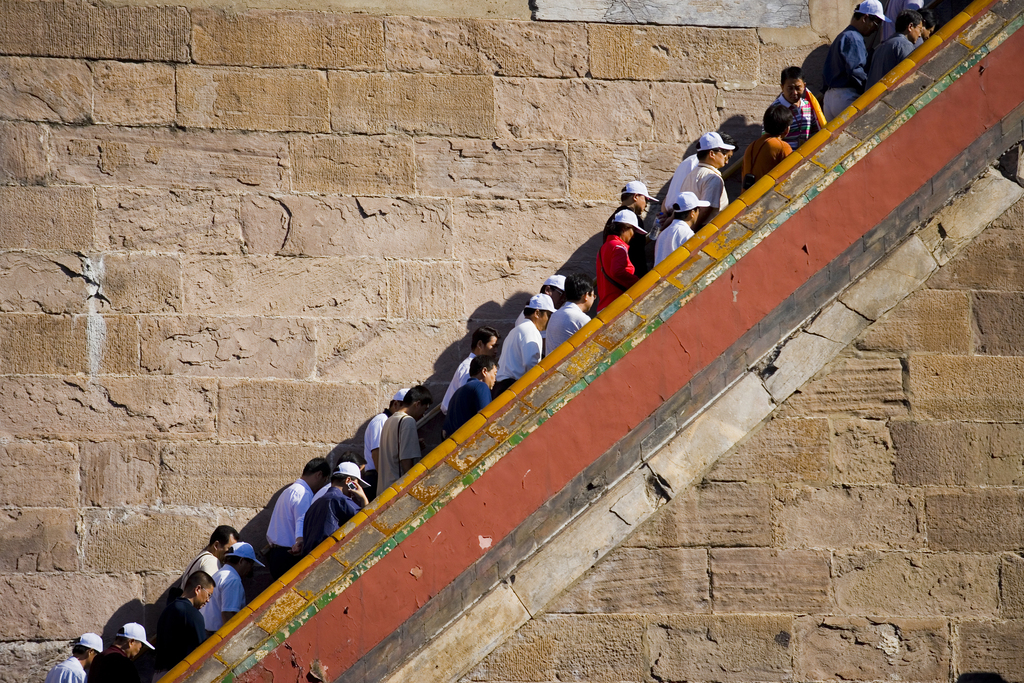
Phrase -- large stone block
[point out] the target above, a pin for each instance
(998, 319)
(872, 649)
(683, 111)
(353, 165)
(498, 290)
(38, 472)
(491, 169)
(40, 406)
(858, 387)
(197, 222)
(253, 99)
(976, 520)
(336, 287)
(862, 451)
(767, 580)
(728, 648)
(140, 283)
(967, 388)
(784, 449)
(545, 109)
(992, 647)
(171, 158)
(426, 290)
(375, 351)
(474, 46)
(639, 580)
(118, 473)
(23, 152)
(850, 517)
(27, 661)
(599, 170)
(993, 261)
(284, 38)
(228, 347)
(958, 453)
(1011, 587)
(34, 283)
(57, 345)
(39, 539)
(80, 29)
(929, 320)
(63, 605)
(47, 218)
(376, 104)
(55, 90)
(131, 94)
(916, 584)
(293, 411)
(673, 53)
(658, 163)
(1012, 218)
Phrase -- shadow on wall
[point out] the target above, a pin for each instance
(980, 677)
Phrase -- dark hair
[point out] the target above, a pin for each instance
(122, 641)
(234, 559)
(906, 19)
(483, 335)
(317, 466)
(791, 73)
(577, 286)
(616, 228)
(481, 363)
(927, 18)
(223, 534)
(199, 579)
(418, 394)
(728, 139)
(777, 120)
(80, 650)
(702, 154)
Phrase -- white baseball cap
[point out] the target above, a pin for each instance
(637, 187)
(873, 8)
(713, 140)
(541, 302)
(135, 632)
(400, 394)
(626, 216)
(349, 469)
(556, 281)
(245, 551)
(90, 640)
(687, 201)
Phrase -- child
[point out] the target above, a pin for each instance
(768, 150)
(807, 116)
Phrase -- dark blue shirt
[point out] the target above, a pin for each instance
(886, 56)
(466, 402)
(180, 630)
(847, 61)
(326, 516)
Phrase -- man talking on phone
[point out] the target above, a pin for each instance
(343, 500)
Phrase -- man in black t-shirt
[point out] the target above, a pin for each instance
(182, 628)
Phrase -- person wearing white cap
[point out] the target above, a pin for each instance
(706, 181)
(567, 320)
(114, 665)
(371, 446)
(181, 627)
(229, 596)
(524, 346)
(845, 70)
(343, 499)
(675, 186)
(554, 287)
(484, 343)
(284, 533)
(74, 668)
(615, 272)
(686, 208)
(636, 198)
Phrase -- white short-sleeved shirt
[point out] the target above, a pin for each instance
(520, 320)
(670, 239)
(683, 171)
(564, 323)
(520, 352)
(706, 182)
(289, 513)
(371, 441)
(68, 671)
(228, 596)
(460, 378)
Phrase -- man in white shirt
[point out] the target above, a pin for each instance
(228, 597)
(686, 208)
(484, 343)
(285, 531)
(74, 668)
(525, 345)
(706, 181)
(222, 538)
(579, 291)
(675, 186)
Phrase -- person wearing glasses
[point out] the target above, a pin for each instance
(845, 71)
(713, 154)
(182, 628)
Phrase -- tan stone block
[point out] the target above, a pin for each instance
(870, 649)
(353, 165)
(140, 283)
(41, 283)
(375, 351)
(28, 661)
(993, 261)
(253, 99)
(491, 169)
(967, 388)
(474, 46)
(1012, 218)
(569, 647)
(1011, 587)
(23, 153)
(38, 472)
(335, 287)
(727, 515)
(800, 358)
(658, 163)
(117, 473)
(767, 580)
(741, 110)
(287, 38)
(137, 540)
(928, 320)
(376, 104)
(47, 218)
(545, 109)
(111, 405)
(638, 580)
(44, 344)
(998, 317)
(39, 540)
(683, 111)
(862, 452)
(993, 647)
(916, 584)
(228, 347)
(978, 520)
(781, 450)
(79, 29)
(426, 290)
(171, 158)
(293, 411)
(130, 94)
(728, 648)
(791, 47)
(858, 387)
(958, 453)
(56, 90)
(673, 53)
(850, 517)
(197, 222)
(599, 170)
(63, 605)
(498, 290)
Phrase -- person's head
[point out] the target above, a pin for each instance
(868, 17)
(579, 289)
(345, 474)
(316, 473)
(86, 648)
(777, 120)
(927, 23)
(624, 225)
(793, 84)
(131, 639)
(554, 287)
(417, 401)
(687, 207)
(242, 557)
(198, 589)
(485, 369)
(396, 400)
(485, 341)
(220, 540)
(910, 23)
(539, 309)
(713, 150)
(635, 196)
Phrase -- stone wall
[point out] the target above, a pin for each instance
(870, 530)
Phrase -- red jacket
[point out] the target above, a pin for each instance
(613, 264)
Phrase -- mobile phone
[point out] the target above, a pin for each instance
(352, 486)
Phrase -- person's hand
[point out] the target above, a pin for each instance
(354, 491)
(296, 548)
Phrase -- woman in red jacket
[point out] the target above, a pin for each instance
(615, 273)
